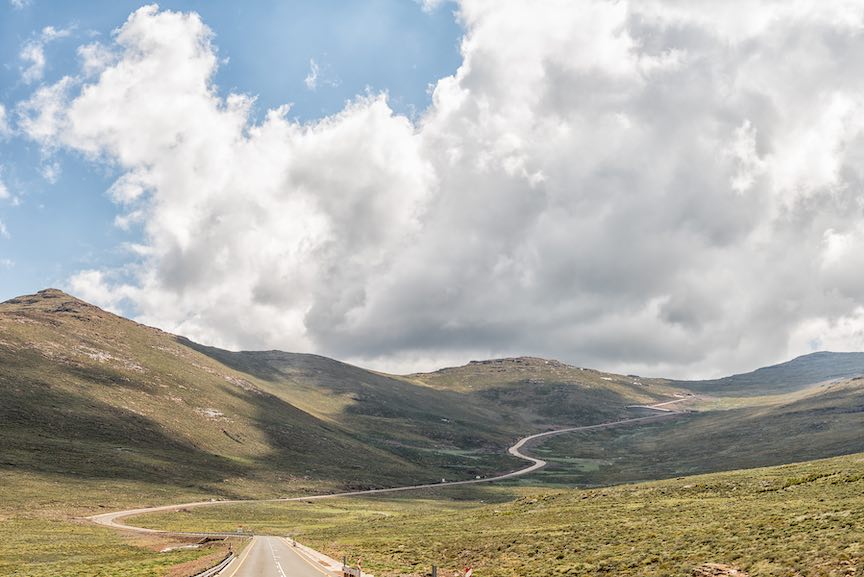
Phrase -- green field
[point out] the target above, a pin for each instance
(90, 395)
(53, 548)
(792, 520)
(99, 413)
(821, 421)
(42, 533)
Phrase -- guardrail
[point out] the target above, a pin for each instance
(217, 568)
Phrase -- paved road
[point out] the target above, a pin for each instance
(114, 519)
(272, 557)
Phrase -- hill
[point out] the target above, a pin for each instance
(802, 519)
(792, 375)
(541, 390)
(88, 395)
(820, 421)
(98, 411)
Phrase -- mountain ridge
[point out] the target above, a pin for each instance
(792, 375)
(91, 394)
(851, 363)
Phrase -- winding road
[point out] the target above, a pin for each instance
(268, 556)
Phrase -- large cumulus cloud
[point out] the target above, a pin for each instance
(657, 186)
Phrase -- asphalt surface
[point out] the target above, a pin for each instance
(272, 557)
(114, 519)
(275, 557)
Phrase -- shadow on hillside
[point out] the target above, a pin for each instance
(444, 433)
(47, 429)
(827, 424)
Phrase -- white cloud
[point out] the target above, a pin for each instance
(95, 286)
(5, 193)
(41, 115)
(635, 186)
(95, 57)
(5, 130)
(4, 232)
(311, 80)
(33, 53)
(20, 4)
(51, 172)
(4, 190)
(6, 263)
(319, 75)
(431, 5)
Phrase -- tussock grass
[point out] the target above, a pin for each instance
(52, 548)
(802, 519)
(818, 422)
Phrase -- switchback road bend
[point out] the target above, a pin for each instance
(275, 557)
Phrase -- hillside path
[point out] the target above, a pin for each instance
(114, 519)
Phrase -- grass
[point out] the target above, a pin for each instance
(88, 394)
(100, 413)
(42, 533)
(52, 548)
(822, 421)
(792, 520)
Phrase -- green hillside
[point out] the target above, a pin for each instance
(823, 421)
(790, 376)
(90, 395)
(541, 391)
(100, 413)
(788, 521)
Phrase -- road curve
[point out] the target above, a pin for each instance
(114, 519)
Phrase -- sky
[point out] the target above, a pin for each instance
(658, 187)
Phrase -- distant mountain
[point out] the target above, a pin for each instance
(91, 395)
(541, 390)
(819, 421)
(786, 377)
(88, 395)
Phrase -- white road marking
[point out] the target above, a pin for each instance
(276, 558)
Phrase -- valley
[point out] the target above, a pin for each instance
(802, 519)
(431, 288)
(102, 414)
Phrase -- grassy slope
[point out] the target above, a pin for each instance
(463, 406)
(792, 375)
(803, 519)
(88, 394)
(822, 421)
(546, 391)
(48, 548)
(100, 413)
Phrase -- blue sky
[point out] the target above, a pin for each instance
(645, 186)
(56, 228)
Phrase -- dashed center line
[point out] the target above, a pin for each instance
(276, 558)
